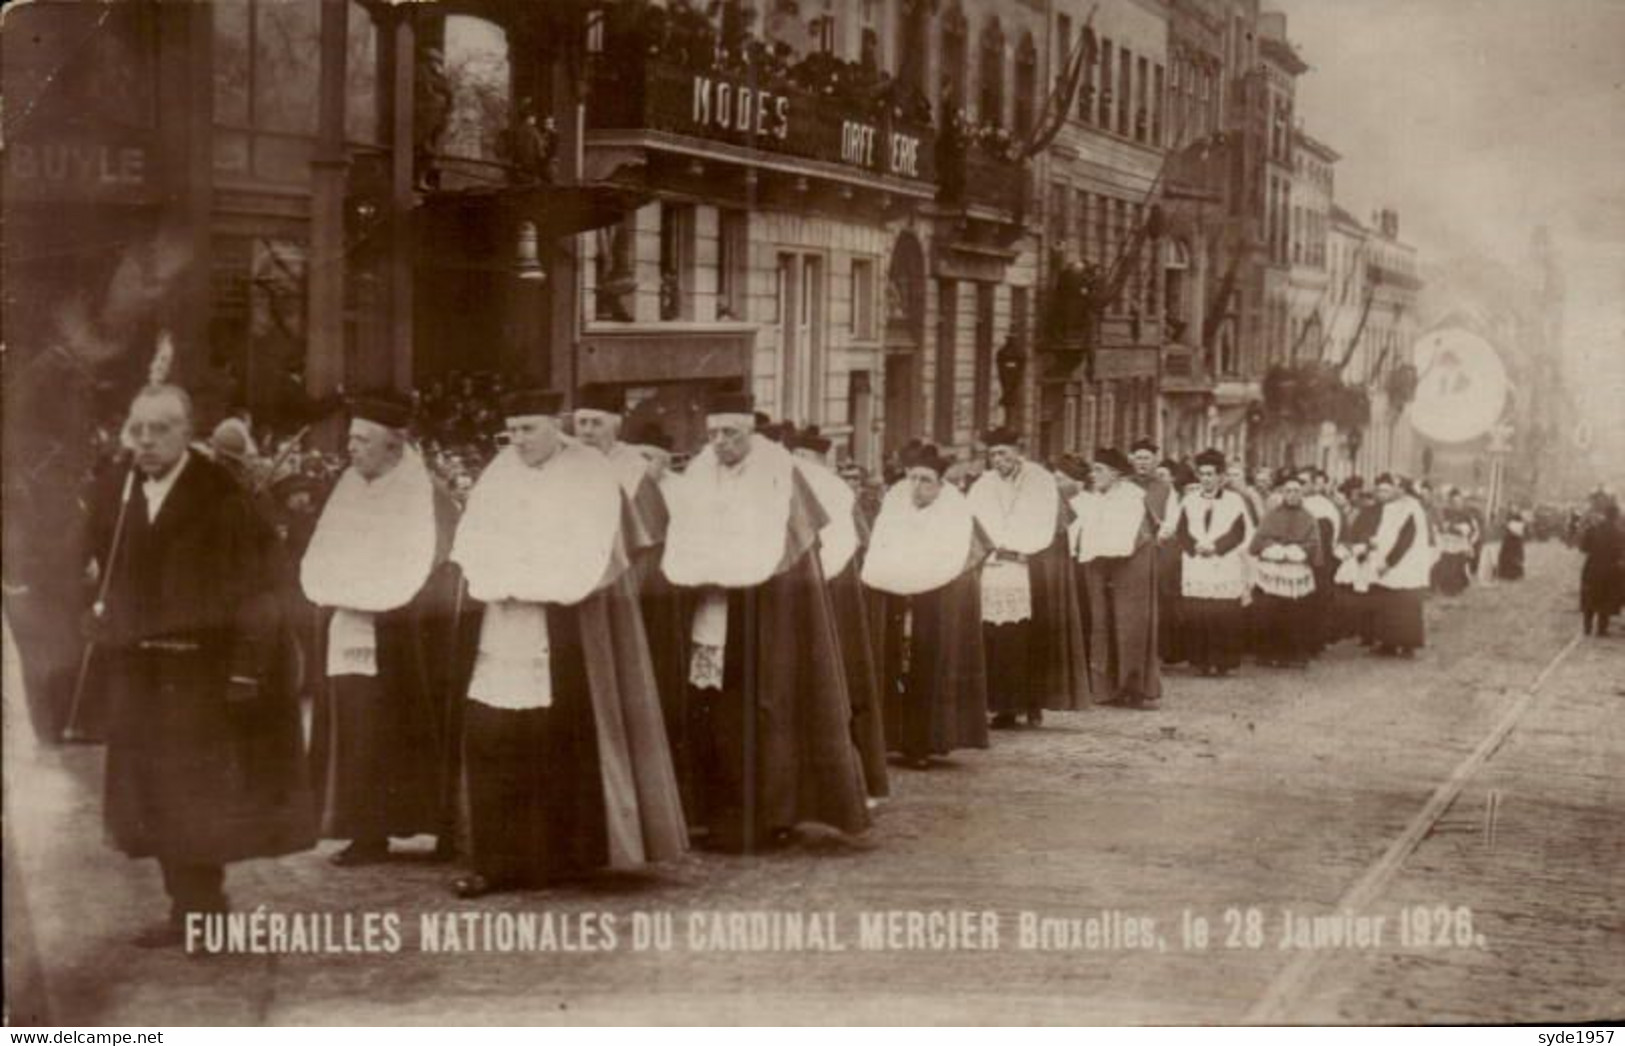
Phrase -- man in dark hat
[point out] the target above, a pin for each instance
(767, 683)
(568, 767)
(204, 753)
(1029, 597)
(925, 557)
(838, 546)
(384, 733)
(1116, 543)
(1213, 528)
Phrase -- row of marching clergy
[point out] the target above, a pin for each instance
(598, 659)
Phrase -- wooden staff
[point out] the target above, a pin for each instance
(71, 732)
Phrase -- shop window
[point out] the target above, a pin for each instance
(733, 268)
(863, 299)
(614, 278)
(286, 66)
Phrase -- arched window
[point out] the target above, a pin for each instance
(479, 85)
(1026, 85)
(912, 41)
(990, 75)
(952, 50)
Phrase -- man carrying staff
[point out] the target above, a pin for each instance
(1117, 546)
(568, 767)
(204, 751)
(1025, 616)
(926, 554)
(1403, 552)
(374, 566)
(767, 684)
(837, 554)
(1287, 555)
(1213, 529)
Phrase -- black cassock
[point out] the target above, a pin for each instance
(204, 756)
(384, 748)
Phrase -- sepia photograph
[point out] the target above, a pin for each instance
(813, 512)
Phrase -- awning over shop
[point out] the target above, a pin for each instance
(556, 210)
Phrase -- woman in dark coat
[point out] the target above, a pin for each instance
(1602, 579)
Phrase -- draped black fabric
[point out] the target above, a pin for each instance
(1509, 561)
(936, 700)
(862, 677)
(1396, 617)
(536, 797)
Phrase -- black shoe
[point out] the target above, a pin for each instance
(468, 887)
(920, 762)
(1003, 721)
(359, 853)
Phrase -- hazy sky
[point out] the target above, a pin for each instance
(1478, 119)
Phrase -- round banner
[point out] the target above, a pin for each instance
(1461, 386)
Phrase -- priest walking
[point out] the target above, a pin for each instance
(1213, 530)
(568, 767)
(385, 735)
(1287, 556)
(1025, 616)
(1117, 547)
(204, 762)
(926, 555)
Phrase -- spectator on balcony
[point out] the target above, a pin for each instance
(598, 419)
(837, 554)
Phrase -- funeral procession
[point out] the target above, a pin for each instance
(812, 511)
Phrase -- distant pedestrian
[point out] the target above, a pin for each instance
(1602, 578)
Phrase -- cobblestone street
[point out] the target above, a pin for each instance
(1272, 790)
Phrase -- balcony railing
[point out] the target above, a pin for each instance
(731, 107)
